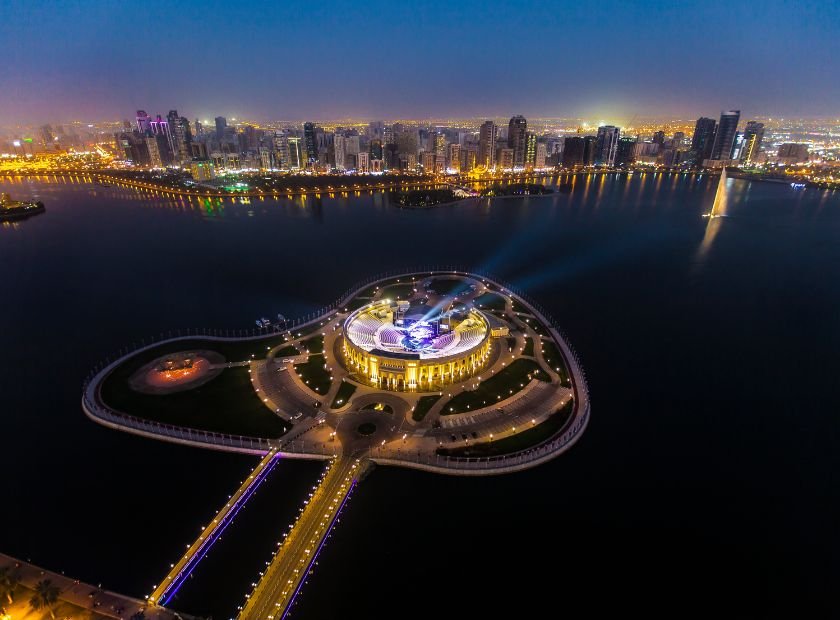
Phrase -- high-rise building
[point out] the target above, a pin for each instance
(678, 140)
(487, 144)
(792, 153)
(180, 136)
(506, 159)
(659, 137)
(362, 162)
(296, 153)
(440, 144)
(310, 143)
(517, 130)
(626, 152)
(339, 147)
(753, 135)
(221, 125)
(155, 155)
(541, 155)
(725, 135)
(703, 139)
(428, 162)
(143, 121)
(607, 145)
(454, 157)
(376, 149)
(573, 151)
(590, 150)
(530, 149)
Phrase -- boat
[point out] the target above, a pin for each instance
(797, 185)
(18, 209)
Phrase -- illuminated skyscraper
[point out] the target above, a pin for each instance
(530, 149)
(454, 157)
(725, 135)
(541, 155)
(339, 147)
(487, 144)
(626, 151)
(310, 144)
(607, 145)
(440, 144)
(143, 121)
(703, 139)
(295, 153)
(517, 130)
(753, 135)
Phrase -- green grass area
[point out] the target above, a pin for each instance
(378, 407)
(314, 375)
(225, 404)
(490, 301)
(397, 291)
(309, 329)
(511, 342)
(499, 386)
(423, 405)
(528, 438)
(287, 351)
(449, 286)
(313, 345)
(356, 303)
(345, 391)
(553, 358)
(529, 347)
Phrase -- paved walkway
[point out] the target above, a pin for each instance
(86, 596)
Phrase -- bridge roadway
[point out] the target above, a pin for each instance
(275, 593)
(167, 589)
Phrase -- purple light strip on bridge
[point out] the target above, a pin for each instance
(318, 551)
(172, 589)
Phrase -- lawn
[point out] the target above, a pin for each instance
(423, 405)
(500, 386)
(397, 291)
(552, 356)
(345, 391)
(313, 373)
(529, 438)
(449, 286)
(313, 345)
(490, 301)
(225, 404)
(287, 351)
(529, 347)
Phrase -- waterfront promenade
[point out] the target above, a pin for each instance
(100, 603)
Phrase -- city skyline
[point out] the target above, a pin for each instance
(463, 62)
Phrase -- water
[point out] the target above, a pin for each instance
(705, 484)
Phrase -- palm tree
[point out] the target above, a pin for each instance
(46, 595)
(8, 583)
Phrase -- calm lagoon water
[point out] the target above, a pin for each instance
(706, 483)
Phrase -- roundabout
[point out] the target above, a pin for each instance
(440, 370)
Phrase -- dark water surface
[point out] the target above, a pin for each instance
(706, 483)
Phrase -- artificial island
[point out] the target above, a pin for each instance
(441, 370)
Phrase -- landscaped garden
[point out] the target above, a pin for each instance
(528, 438)
(498, 387)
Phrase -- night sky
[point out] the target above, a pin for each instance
(607, 60)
